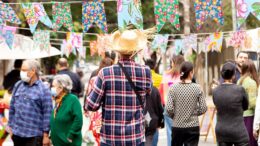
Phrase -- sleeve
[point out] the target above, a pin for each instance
(159, 103)
(12, 109)
(202, 103)
(245, 102)
(77, 120)
(251, 90)
(170, 103)
(11, 112)
(94, 99)
(257, 113)
(47, 109)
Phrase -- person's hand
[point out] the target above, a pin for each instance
(46, 141)
(255, 134)
(69, 140)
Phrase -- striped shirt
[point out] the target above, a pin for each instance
(30, 109)
(122, 114)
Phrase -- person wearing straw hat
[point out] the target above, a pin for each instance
(120, 90)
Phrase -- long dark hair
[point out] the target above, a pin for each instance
(186, 68)
(248, 69)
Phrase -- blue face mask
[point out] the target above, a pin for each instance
(53, 92)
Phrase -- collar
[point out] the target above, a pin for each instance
(125, 60)
(37, 82)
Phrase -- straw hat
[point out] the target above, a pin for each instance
(129, 42)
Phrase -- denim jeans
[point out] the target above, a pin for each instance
(155, 138)
(168, 126)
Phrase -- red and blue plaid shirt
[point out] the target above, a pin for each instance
(122, 114)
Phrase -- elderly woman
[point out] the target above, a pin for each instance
(66, 119)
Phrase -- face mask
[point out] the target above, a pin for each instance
(24, 77)
(53, 92)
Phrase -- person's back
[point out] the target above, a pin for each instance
(12, 77)
(64, 69)
(122, 112)
(229, 100)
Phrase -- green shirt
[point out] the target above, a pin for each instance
(251, 89)
(68, 122)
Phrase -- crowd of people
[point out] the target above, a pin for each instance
(127, 102)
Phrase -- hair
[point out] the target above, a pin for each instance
(18, 63)
(111, 55)
(177, 60)
(62, 62)
(150, 63)
(105, 62)
(240, 52)
(248, 69)
(185, 69)
(64, 81)
(228, 70)
(33, 64)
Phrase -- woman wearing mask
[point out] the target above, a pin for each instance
(249, 81)
(66, 119)
(185, 103)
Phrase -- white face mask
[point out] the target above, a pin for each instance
(24, 77)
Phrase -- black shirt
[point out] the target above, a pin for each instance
(10, 79)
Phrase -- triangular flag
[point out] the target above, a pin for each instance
(8, 14)
(7, 33)
(208, 8)
(94, 12)
(214, 42)
(61, 14)
(190, 42)
(237, 39)
(244, 8)
(166, 10)
(41, 40)
(129, 11)
(160, 42)
(35, 12)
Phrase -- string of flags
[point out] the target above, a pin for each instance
(129, 11)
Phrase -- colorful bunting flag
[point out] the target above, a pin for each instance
(35, 12)
(8, 14)
(190, 42)
(41, 40)
(7, 34)
(208, 8)
(103, 43)
(214, 42)
(244, 8)
(129, 11)
(166, 10)
(178, 46)
(252, 40)
(23, 43)
(93, 48)
(160, 42)
(61, 15)
(94, 12)
(237, 39)
(65, 49)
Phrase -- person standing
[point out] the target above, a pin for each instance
(155, 94)
(230, 101)
(66, 119)
(122, 104)
(63, 68)
(30, 108)
(13, 76)
(170, 77)
(249, 81)
(185, 103)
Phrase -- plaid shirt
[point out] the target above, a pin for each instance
(122, 114)
(30, 109)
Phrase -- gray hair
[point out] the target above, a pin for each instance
(33, 64)
(64, 81)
